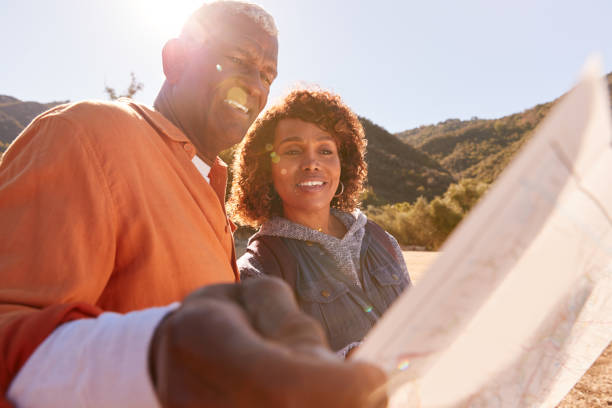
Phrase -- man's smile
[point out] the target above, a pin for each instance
(237, 98)
(237, 105)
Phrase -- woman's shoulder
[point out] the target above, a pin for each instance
(374, 229)
(249, 266)
(268, 255)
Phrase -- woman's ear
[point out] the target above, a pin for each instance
(174, 59)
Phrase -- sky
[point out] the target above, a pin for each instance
(400, 64)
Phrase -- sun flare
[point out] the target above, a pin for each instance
(167, 17)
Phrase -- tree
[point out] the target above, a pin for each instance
(134, 87)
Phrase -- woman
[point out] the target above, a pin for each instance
(298, 174)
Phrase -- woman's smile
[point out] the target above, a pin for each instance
(311, 186)
(307, 171)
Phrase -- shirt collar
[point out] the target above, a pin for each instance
(158, 121)
(217, 172)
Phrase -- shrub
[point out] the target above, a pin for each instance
(425, 223)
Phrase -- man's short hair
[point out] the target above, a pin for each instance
(200, 21)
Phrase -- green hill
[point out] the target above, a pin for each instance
(15, 115)
(478, 148)
(398, 172)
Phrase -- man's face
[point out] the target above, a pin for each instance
(225, 84)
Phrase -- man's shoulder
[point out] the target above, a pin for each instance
(93, 112)
(102, 125)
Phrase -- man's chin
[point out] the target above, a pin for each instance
(233, 135)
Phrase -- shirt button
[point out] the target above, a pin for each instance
(308, 243)
(395, 277)
(189, 148)
(325, 293)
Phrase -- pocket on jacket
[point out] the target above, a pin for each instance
(321, 291)
(330, 302)
(389, 275)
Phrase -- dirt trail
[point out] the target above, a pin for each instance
(593, 390)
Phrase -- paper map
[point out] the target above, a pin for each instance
(518, 304)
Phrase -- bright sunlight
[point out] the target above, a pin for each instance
(167, 17)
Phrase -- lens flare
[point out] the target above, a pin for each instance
(237, 94)
(403, 365)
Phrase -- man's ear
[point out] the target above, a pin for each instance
(174, 59)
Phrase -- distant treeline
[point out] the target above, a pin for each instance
(424, 223)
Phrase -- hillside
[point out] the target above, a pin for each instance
(478, 148)
(398, 172)
(15, 115)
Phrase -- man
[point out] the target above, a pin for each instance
(115, 207)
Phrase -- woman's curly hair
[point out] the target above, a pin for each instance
(253, 198)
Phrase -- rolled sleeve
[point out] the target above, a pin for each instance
(101, 362)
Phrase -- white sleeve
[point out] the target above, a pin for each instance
(101, 362)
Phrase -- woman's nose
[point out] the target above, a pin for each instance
(310, 162)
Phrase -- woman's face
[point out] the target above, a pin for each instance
(305, 166)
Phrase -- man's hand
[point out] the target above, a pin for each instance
(248, 345)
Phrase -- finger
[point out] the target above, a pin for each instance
(274, 313)
(364, 386)
(207, 348)
(312, 382)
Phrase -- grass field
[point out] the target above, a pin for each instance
(594, 389)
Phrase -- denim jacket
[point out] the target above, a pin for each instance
(345, 310)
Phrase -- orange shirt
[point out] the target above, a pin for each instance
(101, 209)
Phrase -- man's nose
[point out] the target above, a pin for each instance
(256, 87)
